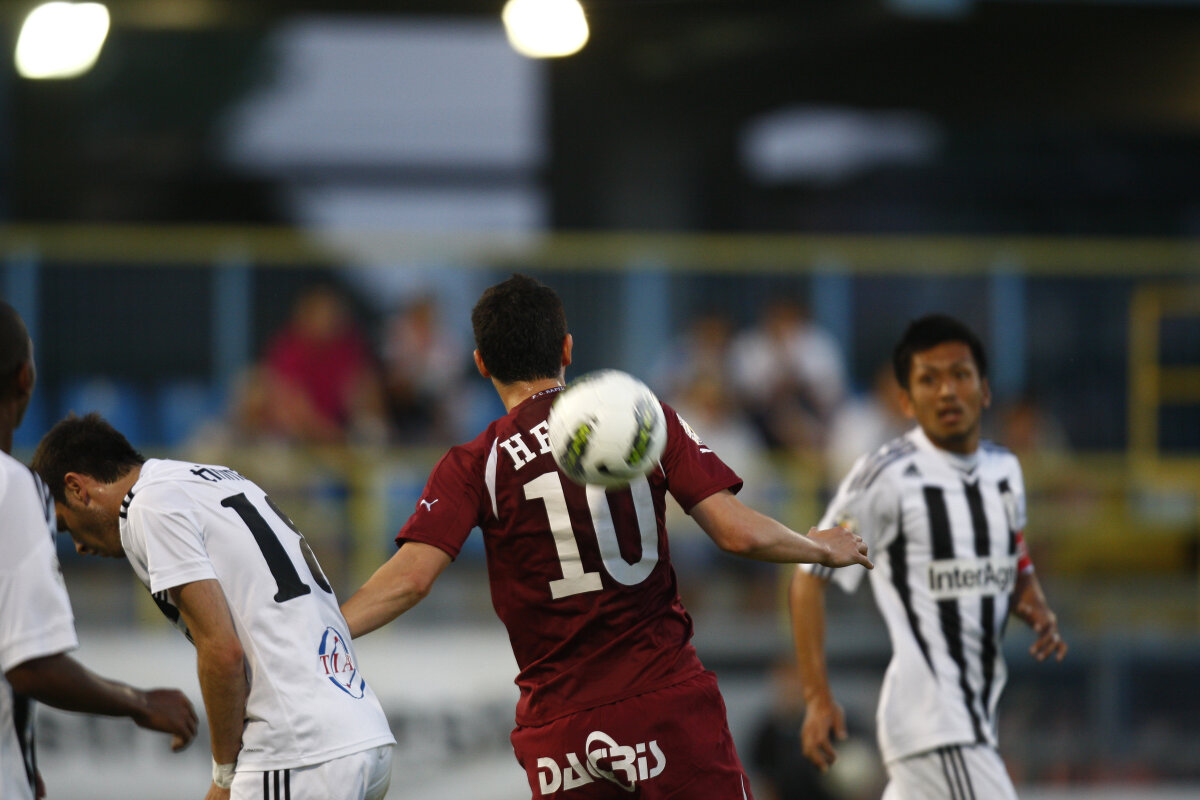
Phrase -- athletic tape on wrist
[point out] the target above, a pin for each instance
(223, 774)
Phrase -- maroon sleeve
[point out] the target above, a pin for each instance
(693, 470)
(449, 505)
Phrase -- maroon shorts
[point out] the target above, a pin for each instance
(672, 743)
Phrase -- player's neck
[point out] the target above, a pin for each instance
(965, 446)
(121, 486)
(513, 394)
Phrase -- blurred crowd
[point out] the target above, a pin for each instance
(765, 395)
(779, 385)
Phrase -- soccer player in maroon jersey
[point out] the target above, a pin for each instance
(614, 701)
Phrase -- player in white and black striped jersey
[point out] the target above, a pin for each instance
(944, 515)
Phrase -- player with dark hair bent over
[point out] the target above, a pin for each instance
(613, 699)
(37, 628)
(945, 514)
(290, 716)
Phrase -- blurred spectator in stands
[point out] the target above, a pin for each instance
(424, 371)
(864, 423)
(791, 376)
(711, 409)
(708, 406)
(1029, 429)
(318, 382)
(701, 353)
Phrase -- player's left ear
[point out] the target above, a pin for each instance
(906, 404)
(479, 365)
(76, 488)
(568, 345)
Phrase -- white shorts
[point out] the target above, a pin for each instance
(358, 776)
(957, 772)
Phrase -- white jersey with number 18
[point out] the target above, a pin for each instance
(308, 701)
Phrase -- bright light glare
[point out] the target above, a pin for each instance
(545, 28)
(61, 40)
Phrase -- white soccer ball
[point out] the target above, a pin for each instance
(606, 428)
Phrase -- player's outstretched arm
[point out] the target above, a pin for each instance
(63, 682)
(824, 719)
(1031, 607)
(738, 529)
(220, 665)
(398, 585)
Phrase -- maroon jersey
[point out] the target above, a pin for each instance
(581, 578)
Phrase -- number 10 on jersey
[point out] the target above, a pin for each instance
(548, 488)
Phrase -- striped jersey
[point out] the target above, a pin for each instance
(308, 702)
(36, 621)
(943, 534)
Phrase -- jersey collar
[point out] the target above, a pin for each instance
(963, 463)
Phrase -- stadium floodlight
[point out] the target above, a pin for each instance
(61, 40)
(545, 28)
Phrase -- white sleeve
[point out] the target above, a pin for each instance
(1018, 511)
(864, 507)
(36, 619)
(163, 527)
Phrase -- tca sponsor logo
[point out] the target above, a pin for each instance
(335, 662)
(604, 759)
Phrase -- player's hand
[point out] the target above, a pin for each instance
(824, 720)
(40, 789)
(1042, 620)
(169, 711)
(843, 548)
(216, 793)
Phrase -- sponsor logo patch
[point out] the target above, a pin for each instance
(335, 662)
(972, 577)
(603, 759)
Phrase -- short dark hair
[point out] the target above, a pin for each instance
(519, 327)
(14, 348)
(928, 332)
(87, 445)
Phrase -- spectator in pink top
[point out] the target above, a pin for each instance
(322, 384)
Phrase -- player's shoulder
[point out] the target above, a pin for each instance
(173, 484)
(673, 418)
(7, 474)
(1002, 466)
(158, 476)
(471, 456)
(998, 455)
(884, 463)
(11, 468)
(15, 476)
(680, 433)
(993, 449)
